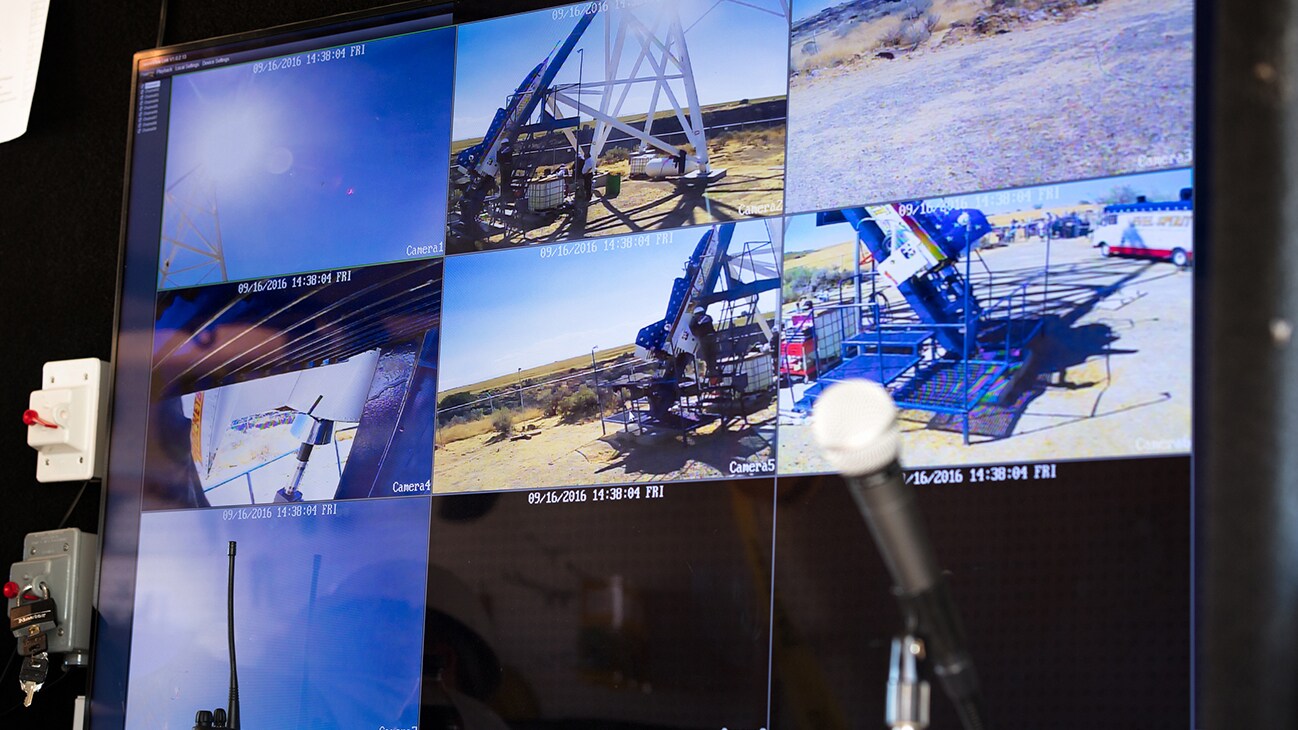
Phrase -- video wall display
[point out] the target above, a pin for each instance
(509, 337)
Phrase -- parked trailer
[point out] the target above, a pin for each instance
(1163, 231)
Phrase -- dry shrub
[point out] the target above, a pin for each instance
(580, 405)
(460, 430)
(911, 23)
(894, 36)
(503, 421)
(914, 34)
(838, 49)
(913, 10)
(955, 12)
(614, 154)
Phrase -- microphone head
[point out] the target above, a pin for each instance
(855, 425)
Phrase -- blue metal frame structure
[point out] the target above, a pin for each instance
(973, 359)
(713, 275)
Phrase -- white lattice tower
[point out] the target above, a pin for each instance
(191, 247)
(640, 52)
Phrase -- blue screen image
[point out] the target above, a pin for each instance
(321, 591)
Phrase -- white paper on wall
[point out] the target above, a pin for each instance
(22, 33)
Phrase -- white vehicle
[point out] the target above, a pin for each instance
(1163, 231)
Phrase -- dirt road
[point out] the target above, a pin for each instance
(1106, 92)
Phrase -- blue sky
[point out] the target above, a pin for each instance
(321, 165)
(804, 235)
(513, 309)
(297, 652)
(736, 52)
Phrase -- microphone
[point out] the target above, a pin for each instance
(855, 424)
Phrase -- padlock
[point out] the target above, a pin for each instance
(32, 619)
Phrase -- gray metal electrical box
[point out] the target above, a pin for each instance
(65, 562)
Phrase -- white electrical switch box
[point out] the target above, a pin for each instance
(67, 420)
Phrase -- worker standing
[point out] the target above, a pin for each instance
(588, 174)
(703, 329)
(579, 185)
(505, 162)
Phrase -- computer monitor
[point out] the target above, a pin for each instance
(497, 360)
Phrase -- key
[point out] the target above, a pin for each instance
(31, 677)
(29, 689)
(35, 644)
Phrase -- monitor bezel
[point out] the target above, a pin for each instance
(108, 703)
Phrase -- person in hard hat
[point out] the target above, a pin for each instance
(703, 329)
(505, 163)
(584, 172)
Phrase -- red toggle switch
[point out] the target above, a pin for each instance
(11, 590)
(32, 418)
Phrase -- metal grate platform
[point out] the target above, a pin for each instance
(880, 368)
(940, 385)
(909, 340)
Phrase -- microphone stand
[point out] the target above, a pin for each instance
(908, 694)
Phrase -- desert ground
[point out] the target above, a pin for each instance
(548, 453)
(753, 187)
(1113, 374)
(1100, 90)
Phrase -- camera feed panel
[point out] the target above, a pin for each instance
(632, 359)
(1036, 324)
(295, 575)
(280, 391)
(898, 100)
(328, 158)
(609, 118)
(1052, 579)
(600, 607)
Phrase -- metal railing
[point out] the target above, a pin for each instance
(247, 474)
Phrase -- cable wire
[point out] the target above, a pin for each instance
(162, 23)
(75, 501)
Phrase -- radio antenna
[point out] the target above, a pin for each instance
(233, 722)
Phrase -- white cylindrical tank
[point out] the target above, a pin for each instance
(661, 167)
